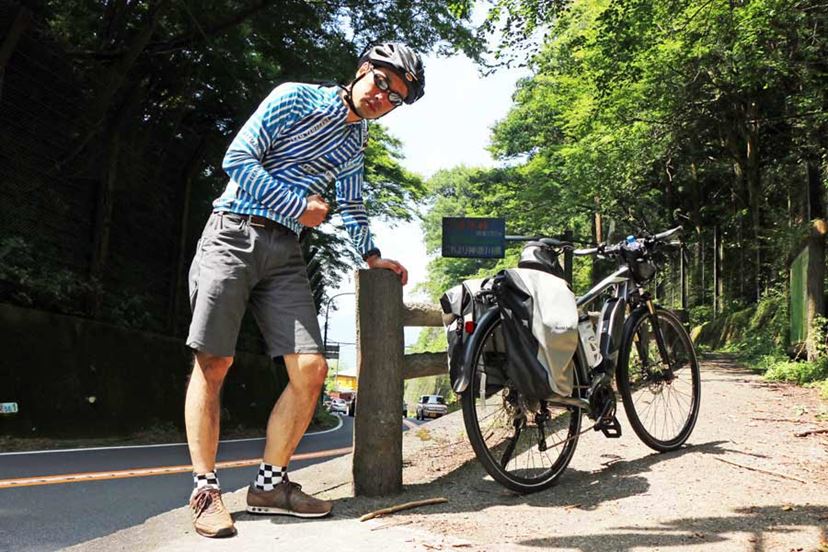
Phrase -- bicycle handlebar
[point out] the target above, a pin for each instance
(616, 248)
(601, 249)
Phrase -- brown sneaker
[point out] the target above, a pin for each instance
(210, 517)
(286, 498)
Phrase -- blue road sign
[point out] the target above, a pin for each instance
(482, 238)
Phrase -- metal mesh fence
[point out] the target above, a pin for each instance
(53, 167)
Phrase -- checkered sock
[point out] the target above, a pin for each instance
(269, 476)
(202, 480)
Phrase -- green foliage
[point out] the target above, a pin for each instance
(762, 342)
(29, 279)
(800, 372)
(823, 388)
(478, 192)
(639, 109)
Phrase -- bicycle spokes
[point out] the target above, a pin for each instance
(661, 387)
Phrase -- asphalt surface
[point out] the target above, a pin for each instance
(50, 517)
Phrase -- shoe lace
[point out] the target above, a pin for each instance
(294, 486)
(208, 501)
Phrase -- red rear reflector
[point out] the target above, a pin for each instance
(469, 326)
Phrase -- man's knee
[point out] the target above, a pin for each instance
(309, 372)
(213, 368)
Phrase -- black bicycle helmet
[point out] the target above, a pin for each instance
(402, 60)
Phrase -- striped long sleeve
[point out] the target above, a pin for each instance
(244, 158)
(297, 143)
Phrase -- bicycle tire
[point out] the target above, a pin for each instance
(485, 443)
(637, 381)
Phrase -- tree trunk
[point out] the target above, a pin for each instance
(103, 222)
(177, 284)
(597, 237)
(112, 80)
(754, 188)
(20, 25)
(718, 254)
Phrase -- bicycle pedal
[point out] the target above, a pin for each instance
(610, 427)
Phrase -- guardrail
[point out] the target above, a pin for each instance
(382, 366)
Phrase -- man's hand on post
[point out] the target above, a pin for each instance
(375, 261)
(315, 212)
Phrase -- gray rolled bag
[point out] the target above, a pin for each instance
(539, 320)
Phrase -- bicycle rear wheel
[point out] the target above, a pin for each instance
(661, 396)
(525, 446)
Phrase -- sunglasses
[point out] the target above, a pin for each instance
(382, 82)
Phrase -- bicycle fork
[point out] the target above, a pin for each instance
(667, 374)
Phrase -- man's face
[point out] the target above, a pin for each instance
(368, 94)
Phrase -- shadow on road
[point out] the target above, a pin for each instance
(757, 522)
(471, 490)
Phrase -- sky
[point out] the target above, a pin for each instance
(449, 126)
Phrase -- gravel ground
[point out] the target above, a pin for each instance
(744, 482)
(620, 495)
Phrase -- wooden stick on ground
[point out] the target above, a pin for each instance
(761, 471)
(406, 506)
(810, 432)
(789, 420)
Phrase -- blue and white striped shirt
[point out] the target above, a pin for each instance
(296, 144)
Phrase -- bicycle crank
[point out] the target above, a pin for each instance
(606, 422)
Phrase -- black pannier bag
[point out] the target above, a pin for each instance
(540, 326)
(461, 304)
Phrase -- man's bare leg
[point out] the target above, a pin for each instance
(293, 411)
(202, 409)
(287, 423)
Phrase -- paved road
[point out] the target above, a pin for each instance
(49, 517)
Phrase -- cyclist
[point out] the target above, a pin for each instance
(300, 140)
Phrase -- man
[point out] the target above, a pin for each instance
(300, 140)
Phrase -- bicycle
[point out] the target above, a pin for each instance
(526, 445)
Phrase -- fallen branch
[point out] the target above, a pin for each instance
(789, 420)
(761, 471)
(406, 506)
(810, 432)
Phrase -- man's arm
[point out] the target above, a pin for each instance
(243, 160)
(352, 210)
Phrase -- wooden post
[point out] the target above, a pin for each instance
(377, 468)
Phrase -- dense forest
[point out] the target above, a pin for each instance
(115, 117)
(643, 114)
(638, 115)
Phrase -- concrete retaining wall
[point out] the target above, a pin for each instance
(68, 373)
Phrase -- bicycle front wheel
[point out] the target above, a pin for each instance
(524, 445)
(661, 392)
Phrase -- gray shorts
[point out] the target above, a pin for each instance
(237, 264)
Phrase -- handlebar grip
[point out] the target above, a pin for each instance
(668, 233)
(585, 252)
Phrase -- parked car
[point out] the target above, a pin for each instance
(339, 405)
(431, 406)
